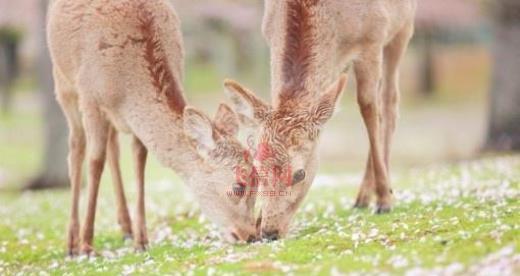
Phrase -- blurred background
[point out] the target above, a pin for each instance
(460, 86)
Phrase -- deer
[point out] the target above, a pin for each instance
(118, 67)
(312, 43)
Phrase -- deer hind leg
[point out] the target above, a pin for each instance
(368, 69)
(140, 234)
(393, 54)
(96, 127)
(123, 217)
(69, 103)
(367, 186)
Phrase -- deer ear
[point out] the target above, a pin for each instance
(251, 109)
(199, 130)
(226, 120)
(328, 101)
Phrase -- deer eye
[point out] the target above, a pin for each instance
(298, 176)
(239, 188)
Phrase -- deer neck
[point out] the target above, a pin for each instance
(304, 48)
(160, 129)
(154, 107)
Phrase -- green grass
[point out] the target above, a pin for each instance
(454, 217)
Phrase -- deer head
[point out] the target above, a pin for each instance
(224, 180)
(286, 151)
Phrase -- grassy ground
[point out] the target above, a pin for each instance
(462, 218)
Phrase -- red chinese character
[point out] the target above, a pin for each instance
(264, 152)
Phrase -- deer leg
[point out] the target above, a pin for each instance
(123, 217)
(76, 157)
(69, 104)
(75, 162)
(368, 71)
(140, 234)
(393, 54)
(96, 127)
(367, 186)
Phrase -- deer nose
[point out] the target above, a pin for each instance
(271, 235)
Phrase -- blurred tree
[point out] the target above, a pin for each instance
(433, 18)
(427, 67)
(10, 38)
(232, 26)
(504, 121)
(54, 168)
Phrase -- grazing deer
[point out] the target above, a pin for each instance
(311, 42)
(118, 66)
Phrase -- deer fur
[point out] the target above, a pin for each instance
(311, 43)
(118, 66)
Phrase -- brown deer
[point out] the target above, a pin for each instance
(118, 67)
(311, 43)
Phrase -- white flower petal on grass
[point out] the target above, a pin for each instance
(373, 232)
(54, 265)
(355, 237)
(398, 261)
(334, 271)
(128, 269)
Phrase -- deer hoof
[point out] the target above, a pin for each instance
(72, 252)
(383, 209)
(360, 205)
(142, 247)
(362, 202)
(127, 237)
(88, 250)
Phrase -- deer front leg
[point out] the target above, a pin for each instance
(140, 234)
(96, 128)
(123, 217)
(368, 71)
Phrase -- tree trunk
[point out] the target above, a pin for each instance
(4, 85)
(504, 121)
(8, 72)
(427, 78)
(54, 168)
